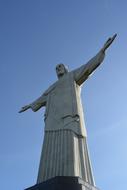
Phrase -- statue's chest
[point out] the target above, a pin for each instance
(64, 85)
(63, 93)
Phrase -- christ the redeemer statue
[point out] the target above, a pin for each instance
(65, 151)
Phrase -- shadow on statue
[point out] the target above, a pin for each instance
(63, 183)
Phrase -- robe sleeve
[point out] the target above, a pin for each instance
(83, 72)
(40, 102)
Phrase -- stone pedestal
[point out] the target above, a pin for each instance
(63, 183)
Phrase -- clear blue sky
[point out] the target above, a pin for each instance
(35, 35)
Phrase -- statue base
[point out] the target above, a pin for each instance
(63, 183)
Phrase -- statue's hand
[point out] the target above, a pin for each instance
(108, 43)
(24, 108)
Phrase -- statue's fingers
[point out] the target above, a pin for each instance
(109, 39)
(114, 37)
(21, 111)
(25, 107)
(108, 42)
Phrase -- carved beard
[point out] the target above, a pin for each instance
(60, 75)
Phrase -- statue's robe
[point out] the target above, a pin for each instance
(65, 150)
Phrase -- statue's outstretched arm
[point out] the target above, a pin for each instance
(82, 73)
(36, 105)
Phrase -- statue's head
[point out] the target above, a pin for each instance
(61, 70)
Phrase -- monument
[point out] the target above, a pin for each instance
(65, 162)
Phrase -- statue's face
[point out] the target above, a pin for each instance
(60, 70)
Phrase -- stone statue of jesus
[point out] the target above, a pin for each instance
(65, 151)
